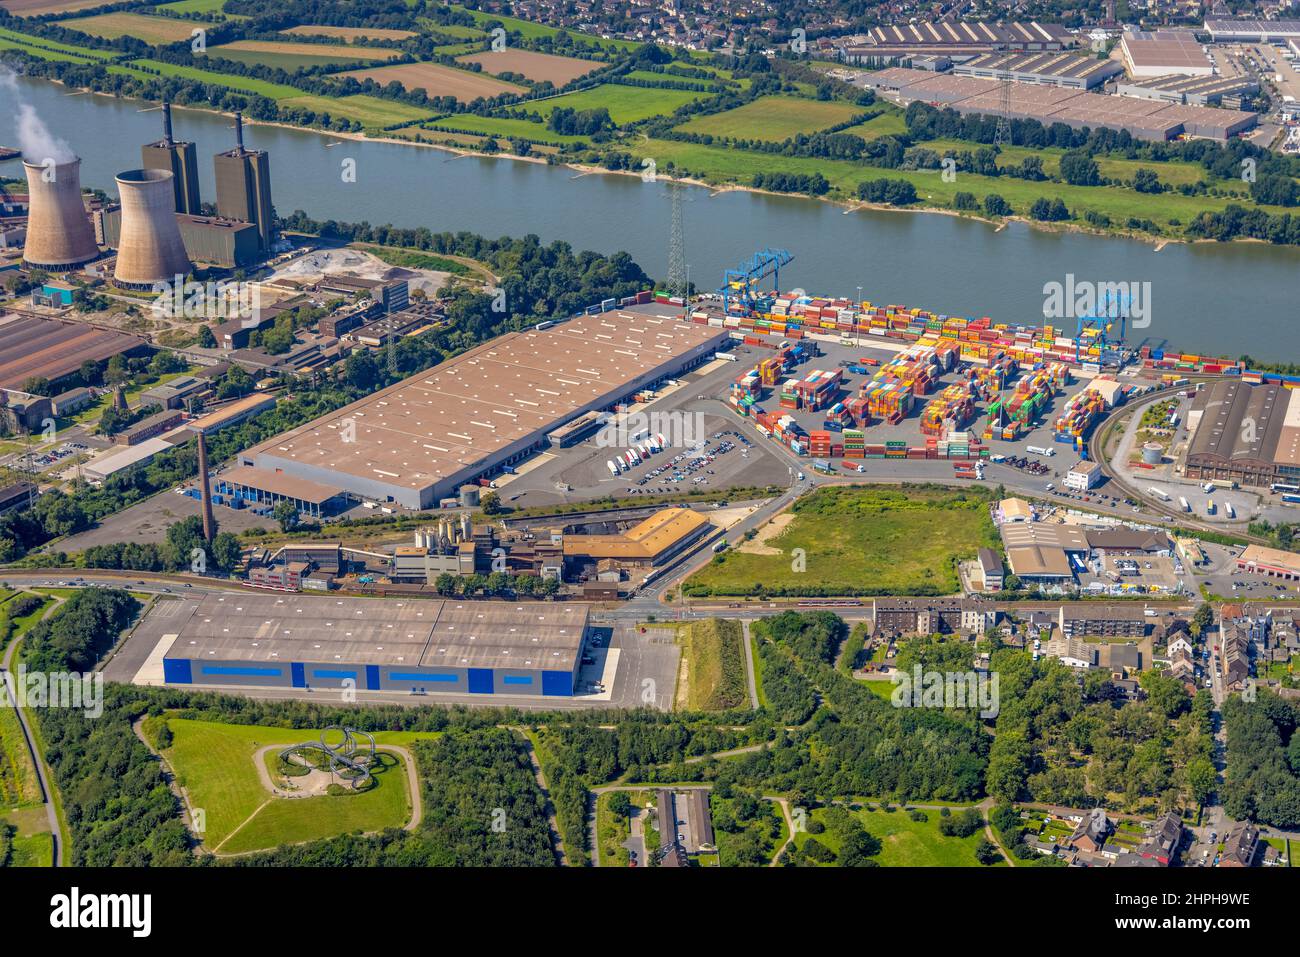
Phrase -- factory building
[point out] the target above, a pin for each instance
(411, 647)
(1245, 433)
(1146, 120)
(1252, 31)
(1164, 52)
(956, 40)
(244, 186)
(54, 349)
(1232, 91)
(418, 441)
(310, 498)
(1067, 70)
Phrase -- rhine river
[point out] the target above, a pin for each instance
(1223, 299)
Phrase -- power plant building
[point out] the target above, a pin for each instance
(244, 186)
(410, 647)
(59, 237)
(149, 249)
(418, 441)
(179, 159)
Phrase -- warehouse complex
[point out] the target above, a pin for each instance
(1231, 91)
(53, 348)
(1143, 119)
(419, 441)
(1252, 31)
(418, 646)
(1068, 70)
(1164, 52)
(956, 40)
(1245, 433)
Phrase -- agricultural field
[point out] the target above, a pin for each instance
(216, 764)
(626, 104)
(773, 119)
(437, 80)
(48, 49)
(154, 31)
(294, 56)
(350, 34)
(904, 842)
(890, 122)
(40, 8)
(245, 84)
(713, 663)
(538, 67)
(454, 30)
(858, 540)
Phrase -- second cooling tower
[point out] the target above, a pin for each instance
(149, 248)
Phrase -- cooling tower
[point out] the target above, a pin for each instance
(59, 234)
(149, 247)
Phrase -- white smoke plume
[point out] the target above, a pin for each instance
(35, 140)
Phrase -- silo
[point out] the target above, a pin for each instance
(1152, 453)
(469, 495)
(149, 248)
(59, 234)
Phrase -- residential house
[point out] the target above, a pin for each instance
(1163, 839)
(1093, 831)
(1241, 846)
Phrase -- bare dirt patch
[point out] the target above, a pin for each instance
(538, 67)
(758, 544)
(437, 80)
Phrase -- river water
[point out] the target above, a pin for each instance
(1224, 299)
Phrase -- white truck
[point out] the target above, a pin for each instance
(1158, 493)
(1039, 450)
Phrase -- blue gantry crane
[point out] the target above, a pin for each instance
(1111, 309)
(740, 285)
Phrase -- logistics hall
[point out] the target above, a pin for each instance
(420, 440)
(412, 647)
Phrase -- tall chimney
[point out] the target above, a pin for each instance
(167, 123)
(239, 131)
(209, 523)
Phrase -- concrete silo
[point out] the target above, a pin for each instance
(59, 234)
(149, 248)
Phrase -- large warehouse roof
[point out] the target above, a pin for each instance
(1222, 29)
(53, 348)
(1238, 421)
(644, 541)
(1146, 119)
(436, 424)
(960, 33)
(418, 633)
(1170, 51)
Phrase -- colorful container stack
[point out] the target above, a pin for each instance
(1078, 417)
(950, 409)
(818, 389)
(789, 397)
(888, 400)
(854, 443)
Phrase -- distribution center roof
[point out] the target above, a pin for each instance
(437, 423)
(1248, 422)
(417, 633)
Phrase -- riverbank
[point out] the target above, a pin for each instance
(848, 205)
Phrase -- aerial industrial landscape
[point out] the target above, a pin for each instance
(619, 542)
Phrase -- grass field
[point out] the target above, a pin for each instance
(438, 80)
(369, 111)
(215, 763)
(863, 540)
(715, 665)
(888, 123)
(906, 843)
(505, 126)
(454, 30)
(773, 118)
(293, 56)
(612, 831)
(18, 783)
(716, 164)
(246, 84)
(626, 104)
(538, 67)
(350, 33)
(152, 30)
(188, 7)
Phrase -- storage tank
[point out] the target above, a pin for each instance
(59, 234)
(149, 249)
(469, 495)
(1152, 453)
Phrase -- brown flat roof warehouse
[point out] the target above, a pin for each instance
(276, 483)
